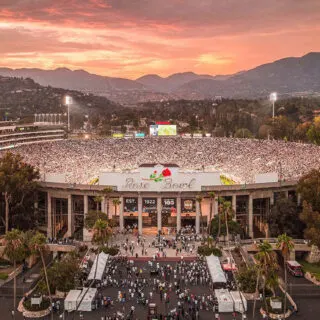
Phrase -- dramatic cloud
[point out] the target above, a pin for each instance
(129, 38)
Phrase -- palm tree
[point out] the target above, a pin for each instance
(226, 215)
(16, 251)
(220, 201)
(199, 199)
(38, 245)
(212, 196)
(107, 191)
(102, 232)
(267, 266)
(97, 200)
(285, 244)
(116, 203)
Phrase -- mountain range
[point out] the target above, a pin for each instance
(288, 76)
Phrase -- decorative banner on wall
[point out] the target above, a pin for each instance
(188, 205)
(169, 205)
(130, 204)
(149, 205)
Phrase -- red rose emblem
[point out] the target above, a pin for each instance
(166, 172)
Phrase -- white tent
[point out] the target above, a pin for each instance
(98, 267)
(70, 302)
(86, 299)
(239, 301)
(216, 272)
(224, 299)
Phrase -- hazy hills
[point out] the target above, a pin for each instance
(287, 76)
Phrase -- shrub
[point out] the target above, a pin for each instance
(62, 274)
(113, 251)
(43, 306)
(247, 278)
(208, 251)
(5, 263)
(3, 276)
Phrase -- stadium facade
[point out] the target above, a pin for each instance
(158, 197)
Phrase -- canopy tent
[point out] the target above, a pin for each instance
(216, 272)
(70, 302)
(239, 302)
(229, 267)
(98, 267)
(224, 299)
(86, 299)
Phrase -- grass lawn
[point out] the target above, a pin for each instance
(313, 268)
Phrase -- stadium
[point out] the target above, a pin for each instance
(154, 183)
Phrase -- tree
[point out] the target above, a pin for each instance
(97, 200)
(199, 199)
(243, 133)
(102, 232)
(267, 266)
(234, 228)
(300, 132)
(116, 203)
(311, 219)
(264, 131)
(309, 188)
(92, 217)
(284, 218)
(38, 245)
(285, 244)
(17, 182)
(16, 251)
(313, 133)
(212, 196)
(107, 191)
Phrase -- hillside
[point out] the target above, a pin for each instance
(289, 77)
(22, 98)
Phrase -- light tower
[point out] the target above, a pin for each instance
(68, 101)
(273, 99)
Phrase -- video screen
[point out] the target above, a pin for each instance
(163, 130)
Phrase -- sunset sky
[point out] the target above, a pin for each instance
(130, 38)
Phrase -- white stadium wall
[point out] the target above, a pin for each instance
(55, 177)
(159, 179)
(266, 177)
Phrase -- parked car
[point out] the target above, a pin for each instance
(294, 268)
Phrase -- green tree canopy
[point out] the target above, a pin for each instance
(284, 218)
(243, 133)
(15, 246)
(309, 188)
(18, 185)
(92, 217)
(234, 227)
(311, 219)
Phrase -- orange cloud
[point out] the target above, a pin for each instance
(131, 38)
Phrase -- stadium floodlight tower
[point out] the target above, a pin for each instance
(273, 99)
(68, 102)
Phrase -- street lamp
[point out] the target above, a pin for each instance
(273, 99)
(68, 101)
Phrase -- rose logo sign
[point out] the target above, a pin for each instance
(159, 177)
(166, 172)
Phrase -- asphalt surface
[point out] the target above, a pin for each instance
(305, 294)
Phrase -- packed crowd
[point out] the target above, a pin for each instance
(240, 159)
(182, 244)
(181, 290)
